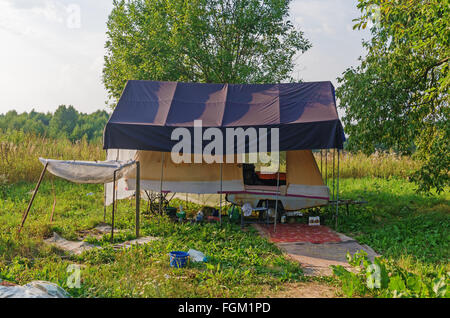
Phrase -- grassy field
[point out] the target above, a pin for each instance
(19, 153)
(398, 223)
(241, 264)
(410, 229)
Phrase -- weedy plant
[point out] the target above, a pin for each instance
(383, 278)
(19, 154)
(359, 165)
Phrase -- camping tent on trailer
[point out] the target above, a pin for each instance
(138, 139)
(148, 112)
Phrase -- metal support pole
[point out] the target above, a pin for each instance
(321, 165)
(113, 206)
(242, 219)
(161, 184)
(138, 196)
(326, 167)
(25, 214)
(221, 186)
(337, 193)
(276, 199)
(104, 195)
(334, 153)
(104, 202)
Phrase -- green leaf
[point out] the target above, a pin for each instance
(396, 283)
(413, 282)
(440, 287)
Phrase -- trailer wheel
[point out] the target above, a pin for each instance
(271, 205)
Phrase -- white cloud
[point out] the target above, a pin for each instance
(44, 63)
(52, 11)
(326, 24)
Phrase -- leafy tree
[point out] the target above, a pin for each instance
(398, 96)
(90, 126)
(34, 127)
(67, 122)
(63, 121)
(222, 41)
(43, 118)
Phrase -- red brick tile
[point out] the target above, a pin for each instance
(300, 233)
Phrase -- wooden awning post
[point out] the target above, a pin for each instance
(25, 214)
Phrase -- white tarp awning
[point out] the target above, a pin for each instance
(88, 171)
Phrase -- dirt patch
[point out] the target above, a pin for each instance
(304, 290)
(78, 247)
(97, 232)
(73, 247)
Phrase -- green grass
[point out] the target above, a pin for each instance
(410, 229)
(241, 263)
(397, 221)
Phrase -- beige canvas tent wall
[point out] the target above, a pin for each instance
(304, 185)
(185, 177)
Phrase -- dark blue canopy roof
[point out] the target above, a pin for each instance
(148, 112)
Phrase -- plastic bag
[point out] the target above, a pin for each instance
(247, 209)
(35, 289)
(196, 256)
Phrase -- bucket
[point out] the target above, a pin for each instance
(178, 259)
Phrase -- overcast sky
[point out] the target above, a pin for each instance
(51, 51)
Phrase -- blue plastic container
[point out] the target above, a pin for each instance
(178, 259)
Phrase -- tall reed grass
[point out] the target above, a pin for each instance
(359, 165)
(20, 152)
